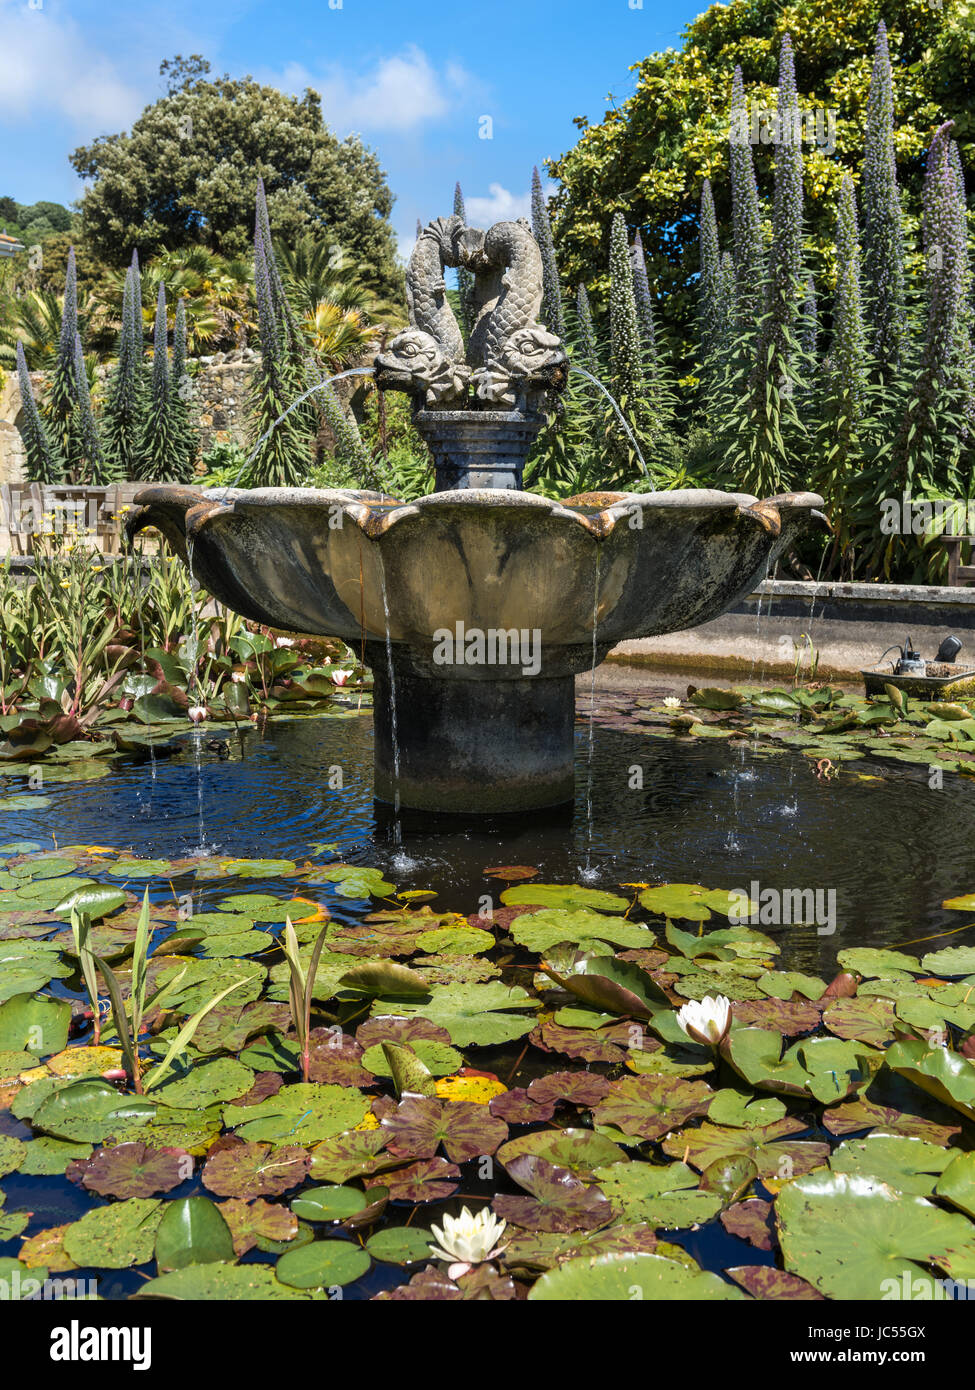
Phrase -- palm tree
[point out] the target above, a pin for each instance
(315, 272)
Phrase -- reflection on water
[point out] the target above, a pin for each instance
(707, 813)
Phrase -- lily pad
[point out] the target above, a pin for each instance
(116, 1236)
(621, 1278)
(322, 1264)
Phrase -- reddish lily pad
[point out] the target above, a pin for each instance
(253, 1222)
(429, 1180)
(589, 1045)
(396, 1028)
(572, 1087)
(518, 1108)
(557, 1200)
(648, 1107)
(749, 1220)
(767, 1282)
(418, 1127)
(255, 1170)
(775, 1153)
(860, 1113)
(132, 1170)
(866, 1018)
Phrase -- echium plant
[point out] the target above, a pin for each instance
(124, 397)
(644, 310)
(553, 315)
(746, 220)
(933, 427)
(465, 279)
(181, 386)
(883, 240)
(91, 467)
(709, 290)
(61, 398)
(282, 457)
(159, 442)
(838, 452)
(44, 460)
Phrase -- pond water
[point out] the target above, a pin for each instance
(726, 813)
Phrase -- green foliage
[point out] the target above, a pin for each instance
(186, 173)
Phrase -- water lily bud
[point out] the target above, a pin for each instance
(707, 1020)
(842, 986)
(197, 713)
(340, 677)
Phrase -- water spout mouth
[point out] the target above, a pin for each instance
(767, 516)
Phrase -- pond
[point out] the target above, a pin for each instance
(876, 845)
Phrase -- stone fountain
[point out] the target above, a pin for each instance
(476, 607)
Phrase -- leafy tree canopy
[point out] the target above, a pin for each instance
(649, 157)
(187, 174)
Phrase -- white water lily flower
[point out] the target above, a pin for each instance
(340, 677)
(671, 702)
(284, 641)
(706, 1020)
(197, 713)
(468, 1239)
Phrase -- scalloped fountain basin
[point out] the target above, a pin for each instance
(528, 591)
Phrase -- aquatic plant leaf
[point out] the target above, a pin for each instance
(47, 1157)
(851, 1236)
(605, 1044)
(223, 1282)
(255, 1170)
(767, 1282)
(258, 1223)
(614, 1278)
(192, 1231)
(34, 1024)
(355, 1154)
(612, 986)
(12, 1153)
(455, 941)
(910, 1165)
(516, 1107)
(205, 1083)
(302, 1114)
(333, 1203)
(570, 896)
(868, 1020)
(397, 1060)
(419, 1125)
(660, 1195)
(45, 1250)
(133, 1169)
(116, 1236)
(860, 1113)
(354, 881)
(258, 868)
(947, 1076)
(573, 1087)
(771, 1147)
(557, 1200)
(541, 1250)
(540, 931)
(386, 978)
(322, 1264)
(229, 1027)
(473, 1015)
(749, 1220)
(95, 902)
(730, 1178)
(581, 1151)
(953, 960)
(427, 1180)
(400, 1245)
(648, 1107)
(957, 1183)
(742, 1111)
(90, 1111)
(869, 961)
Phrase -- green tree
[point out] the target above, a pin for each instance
(650, 155)
(187, 173)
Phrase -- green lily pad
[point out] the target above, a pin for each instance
(662, 1195)
(205, 1083)
(328, 1203)
(481, 1015)
(621, 1278)
(222, 1282)
(192, 1231)
(953, 960)
(301, 1114)
(116, 1236)
(852, 1237)
(322, 1264)
(910, 1165)
(957, 1183)
(34, 1024)
(540, 931)
(400, 1245)
(569, 896)
(354, 882)
(945, 1075)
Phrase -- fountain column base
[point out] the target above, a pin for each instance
(478, 747)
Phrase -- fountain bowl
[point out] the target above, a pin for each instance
(475, 609)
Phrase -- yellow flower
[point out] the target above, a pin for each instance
(65, 584)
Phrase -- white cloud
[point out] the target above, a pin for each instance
(501, 205)
(399, 93)
(48, 68)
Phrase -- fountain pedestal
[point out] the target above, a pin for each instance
(478, 449)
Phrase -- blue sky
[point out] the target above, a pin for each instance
(415, 90)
